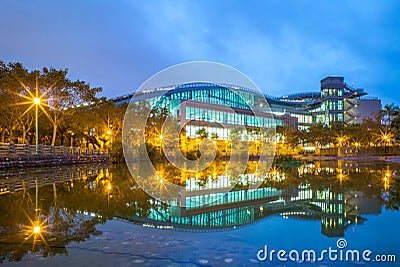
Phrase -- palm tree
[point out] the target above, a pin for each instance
(389, 111)
(202, 133)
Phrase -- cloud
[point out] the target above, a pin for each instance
(282, 46)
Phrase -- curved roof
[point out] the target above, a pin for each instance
(295, 100)
(145, 94)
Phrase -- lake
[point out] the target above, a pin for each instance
(324, 213)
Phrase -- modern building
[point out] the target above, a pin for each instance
(221, 107)
(335, 102)
(217, 108)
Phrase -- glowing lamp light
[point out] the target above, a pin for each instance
(109, 187)
(108, 132)
(36, 101)
(36, 229)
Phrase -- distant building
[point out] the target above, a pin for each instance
(335, 102)
(204, 105)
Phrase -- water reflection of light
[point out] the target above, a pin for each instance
(341, 176)
(275, 174)
(36, 230)
(386, 179)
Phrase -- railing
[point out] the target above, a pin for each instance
(10, 148)
(16, 181)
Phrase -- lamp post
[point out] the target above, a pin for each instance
(109, 133)
(385, 138)
(36, 102)
(108, 188)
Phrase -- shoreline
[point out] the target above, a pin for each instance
(392, 158)
(47, 160)
(8, 161)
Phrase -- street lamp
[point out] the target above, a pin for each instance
(385, 138)
(341, 140)
(36, 102)
(109, 133)
(36, 229)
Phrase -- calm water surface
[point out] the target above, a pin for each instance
(98, 215)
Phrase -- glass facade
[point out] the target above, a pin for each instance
(212, 115)
(216, 94)
(303, 118)
(216, 108)
(332, 92)
(333, 103)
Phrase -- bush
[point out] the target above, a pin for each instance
(116, 152)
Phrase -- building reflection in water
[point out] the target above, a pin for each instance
(336, 193)
(75, 200)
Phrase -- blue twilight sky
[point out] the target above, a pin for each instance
(284, 46)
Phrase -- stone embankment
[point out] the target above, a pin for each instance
(48, 160)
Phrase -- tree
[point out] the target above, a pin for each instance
(16, 114)
(318, 134)
(103, 120)
(355, 134)
(370, 128)
(8, 116)
(388, 112)
(395, 126)
(202, 133)
(64, 95)
(58, 95)
(292, 136)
